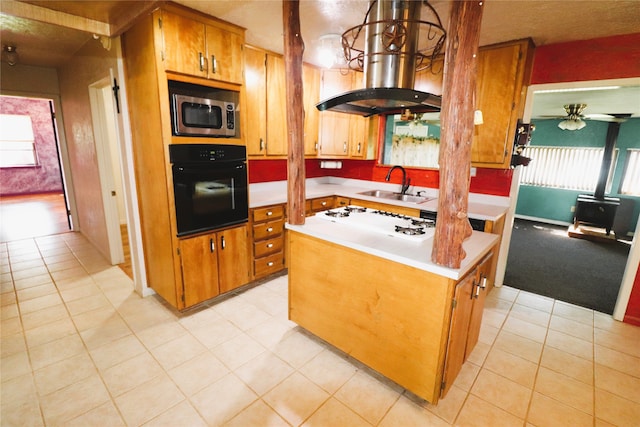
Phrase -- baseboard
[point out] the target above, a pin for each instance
(543, 220)
(632, 320)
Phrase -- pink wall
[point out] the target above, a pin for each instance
(44, 178)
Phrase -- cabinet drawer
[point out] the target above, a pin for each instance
(322, 204)
(269, 264)
(268, 213)
(267, 230)
(266, 247)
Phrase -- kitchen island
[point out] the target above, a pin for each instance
(380, 299)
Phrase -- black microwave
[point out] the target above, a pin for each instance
(203, 111)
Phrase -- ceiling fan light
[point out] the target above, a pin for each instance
(572, 124)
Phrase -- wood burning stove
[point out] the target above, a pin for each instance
(596, 212)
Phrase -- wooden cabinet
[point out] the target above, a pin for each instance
(503, 76)
(268, 240)
(311, 92)
(466, 319)
(335, 127)
(213, 264)
(319, 204)
(266, 121)
(341, 201)
(195, 48)
(403, 210)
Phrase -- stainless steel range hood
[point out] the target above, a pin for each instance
(392, 52)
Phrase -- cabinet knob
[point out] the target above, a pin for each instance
(212, 245)
(201, 60)
(324, 203)
(270, 264)
(269, 230)
(222, 243)
(214, 64)
(269, 245)
(269, 213)
(345, 147)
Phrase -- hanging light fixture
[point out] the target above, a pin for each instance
(10, 54)
(573, 120)
(330, 52)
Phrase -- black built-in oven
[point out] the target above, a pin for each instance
(209, 185)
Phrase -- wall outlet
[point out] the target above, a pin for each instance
(573, 208)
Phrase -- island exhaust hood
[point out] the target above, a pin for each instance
(395, 46)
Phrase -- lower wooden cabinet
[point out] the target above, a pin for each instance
(466, 318)
(267, 224)
(213, 264)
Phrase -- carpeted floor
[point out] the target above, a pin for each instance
(544, 260)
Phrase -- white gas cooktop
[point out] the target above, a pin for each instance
(388, 223)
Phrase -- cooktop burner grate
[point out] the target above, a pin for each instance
(410, 231)
(337, 214)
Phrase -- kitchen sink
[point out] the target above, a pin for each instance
(390, 195)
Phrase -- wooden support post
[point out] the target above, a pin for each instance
(293, 50)
(458, 105)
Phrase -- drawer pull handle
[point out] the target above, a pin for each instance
(324, 203)
(270, 245)
(270, 264)
(269, 213)
(269, 230)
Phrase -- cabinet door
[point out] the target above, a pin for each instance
(358, 129)
(496, 98)
(458, 331)
(311, 89)
(480, 287)
(254, 110)
(184, 45)
(233, 258)
(334, 127)
(224, 55)
(199, 269)
(276, 107)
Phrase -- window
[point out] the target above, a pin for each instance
(631, 178)
(17, 143)
(571, 168)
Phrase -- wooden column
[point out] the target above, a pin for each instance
(456, 116)
(293, 50)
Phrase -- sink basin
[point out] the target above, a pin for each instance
(390, 195)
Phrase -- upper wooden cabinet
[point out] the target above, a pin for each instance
(311, 89)
(201, 49)
(266, 121)
(503, 76)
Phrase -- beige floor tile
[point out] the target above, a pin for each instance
(105, 333)
(36, 291)
(39, 303)
(618, 342)
(618, 383)
(525, 329)
(131, 373)
(199, 372)
(69, 273)
(223, 400)
(55, 351)
(242, 314)
(609, 324)
(572, 327)
(407, 413)
(335, 413)
(520, 346)
(44, 316)
(117, 351)
(216, 333)
(182, 414)
(479, 353)
(449, 407)
(26, 276)
(547, 412)
(567, 364)
(266, 300)
(502, 392)
(12, 344)
(10, 327)
(538, 302)
(616, 410)
(368, 397)
(238, 351)
(512, 367)
(104, 415)
(576, 346)
(617, 360)
(480, 413)
(271, 332)
(298, 348)
(25, 413)
(148, 400)
(50, 332)
(88, 303)
(488, 333)
(94, 318)
(26, 265)
(63, 265)
(467, 376)
(74, 282)
(61, 374)
(257, 414)
(161, 334)
(18, 390)
(573, 312)
(199, 319)
(79, 292)
(329, 369)
(565, 389)
(74, 400)
(264, 372)
(178, 351)
(296, 398)
(530, 314)
(14, 365)
(9, 311)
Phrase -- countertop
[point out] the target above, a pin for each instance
(415, 254)
(480, 206)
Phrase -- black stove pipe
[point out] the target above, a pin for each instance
(607, 157)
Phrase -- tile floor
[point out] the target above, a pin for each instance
(79, 348)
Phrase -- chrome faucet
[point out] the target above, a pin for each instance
(405, 182)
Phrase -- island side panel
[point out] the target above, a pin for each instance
(391, 317)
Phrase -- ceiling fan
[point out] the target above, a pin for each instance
(575, 119)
